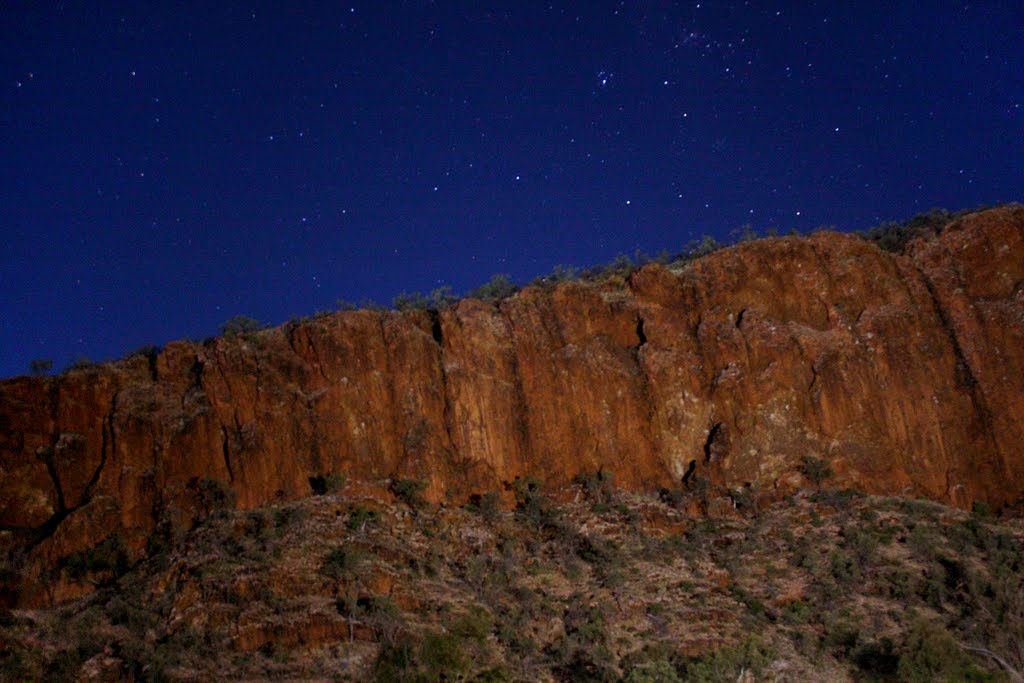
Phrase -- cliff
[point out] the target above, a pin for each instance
(904, 371)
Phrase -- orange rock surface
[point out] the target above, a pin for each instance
(904, 371)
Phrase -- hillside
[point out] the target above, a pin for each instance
(585, 584)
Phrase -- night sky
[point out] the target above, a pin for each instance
(166, 166)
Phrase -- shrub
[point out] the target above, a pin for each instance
(40, 366)
(558, 275)
(323, 484)
(79, 362)
(653, 671)
(815, 469)
(597, 486)
(797, 612)
(496, 674)
(532, 505)
(411, 301)
(744, 233)
(442, 298)
(673, 497)
(727, 663)
(241, 325)
(215, 495)
(622, 266)
(877, 658)
(932, 654)
(395, 663)
(437, 657)
(477, 624)
(382, 615)
(442, 657)
(345, 305)
(894, 236)
(108, 557)
(486, 505)
(360, 517)
(340, 563)
(706, 245)
(409, 491)
(496, 289)
(845, 568)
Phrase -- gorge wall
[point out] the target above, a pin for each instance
(904, 371)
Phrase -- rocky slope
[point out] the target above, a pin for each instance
(609, 586)
(905, 372)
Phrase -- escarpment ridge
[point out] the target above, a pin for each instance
(905, 372)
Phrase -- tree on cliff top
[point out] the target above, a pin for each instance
(240, 325)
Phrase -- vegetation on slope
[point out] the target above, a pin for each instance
(596, 585)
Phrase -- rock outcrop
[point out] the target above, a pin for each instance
(904, 371)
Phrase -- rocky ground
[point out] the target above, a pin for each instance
(581, 584)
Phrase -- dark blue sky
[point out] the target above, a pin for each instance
(164, 167)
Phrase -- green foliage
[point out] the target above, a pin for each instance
(583, 651)
(933, 656)
(557, 276)
(597, 486)
(40, 366)
(754, 606)
(241, 325)
(894, 236)
(844, 568)
(340, 563)
(498, 288)
(496, 674)
(345, 305)
(442, 656)
(215, 495)
(653, 671)
(622, 266)
(475, 624)
(79, 362)
(797, 612)
(108, 557)
(360, 517)
(877, 658)
(324, 484)
(410, 301)
(486, 505)
(410, 491)
(442, 298)
(532, 505)
(815, 469)
(438, 657)
(697, 249)
(395, 663)
(727, 663)
(744, 233)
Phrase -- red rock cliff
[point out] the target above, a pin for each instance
(906, 372)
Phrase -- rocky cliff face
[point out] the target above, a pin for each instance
(905, 372)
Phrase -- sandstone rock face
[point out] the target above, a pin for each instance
(904, 371)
